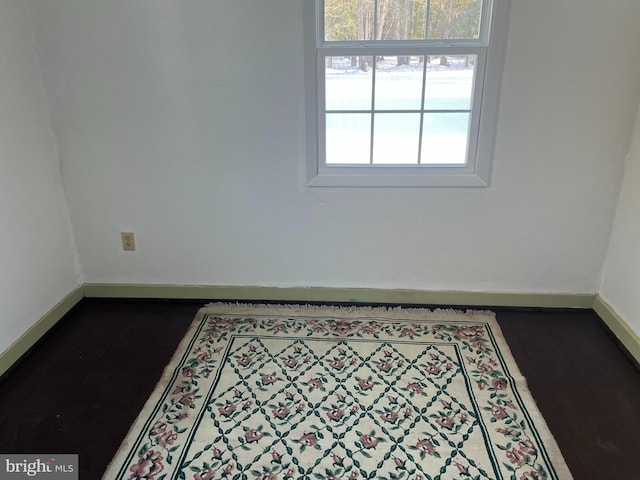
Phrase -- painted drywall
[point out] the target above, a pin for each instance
(37, 257)
(184, 123)
(621, 279)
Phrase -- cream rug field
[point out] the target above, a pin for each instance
(299, 392)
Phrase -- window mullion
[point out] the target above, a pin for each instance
(387, 49)
(373, 107)
(422, 103)
(427, 20)
(375, 20)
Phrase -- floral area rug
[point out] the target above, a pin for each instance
(300, 392)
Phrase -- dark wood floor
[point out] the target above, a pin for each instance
(81, 388)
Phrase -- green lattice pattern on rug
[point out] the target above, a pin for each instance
(333, 394)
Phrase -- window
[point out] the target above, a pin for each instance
(406, 91)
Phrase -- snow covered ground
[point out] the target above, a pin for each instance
(397, 135)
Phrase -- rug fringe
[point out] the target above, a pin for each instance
(349, 311)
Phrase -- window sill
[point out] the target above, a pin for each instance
(429, 179)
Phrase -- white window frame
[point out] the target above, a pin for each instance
(489, 50)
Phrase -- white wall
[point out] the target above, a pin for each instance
(37, 257)
(621, 281)
(184, 122)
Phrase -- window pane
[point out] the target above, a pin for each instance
(399, 83)
(348, 138)
(348, 20)
(444, 138)
(454, 18)
(347, 85)
(395, 138)
(401, 19)
(352, 20)
(449, 84)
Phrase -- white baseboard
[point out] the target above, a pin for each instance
(327, 294)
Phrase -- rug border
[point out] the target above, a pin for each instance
(150, 404)
(352, 312)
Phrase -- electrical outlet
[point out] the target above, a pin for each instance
(128, 242)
